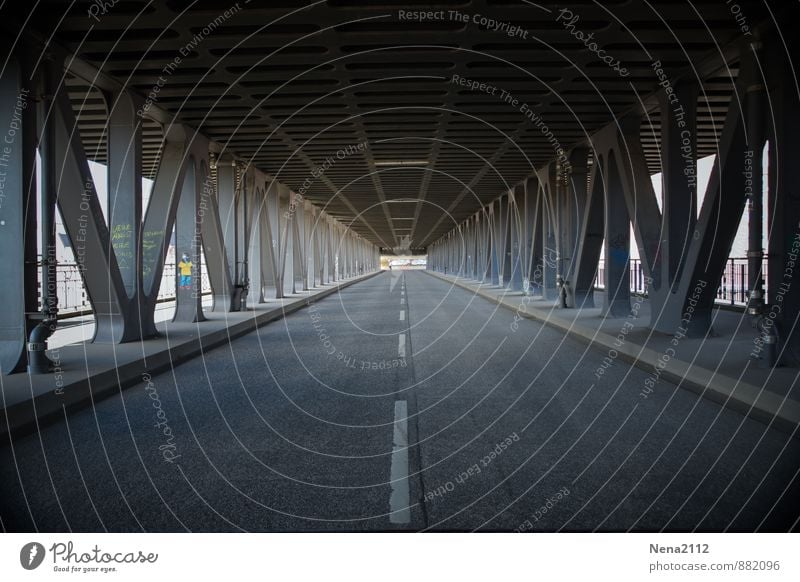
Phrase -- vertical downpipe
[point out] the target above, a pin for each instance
(245, 278)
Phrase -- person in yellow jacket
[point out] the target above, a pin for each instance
(185, 267)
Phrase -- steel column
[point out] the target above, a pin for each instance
(188, 238)
(18, 206)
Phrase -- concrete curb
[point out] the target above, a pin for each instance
(28, 416)
(757, 403)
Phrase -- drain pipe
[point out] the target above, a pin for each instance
(245, 278)
(38, 362)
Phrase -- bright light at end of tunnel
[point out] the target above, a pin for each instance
(402, 163)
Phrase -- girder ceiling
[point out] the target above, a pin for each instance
(289, 85)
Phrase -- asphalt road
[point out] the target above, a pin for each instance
(402, 403)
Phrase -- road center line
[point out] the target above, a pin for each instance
(402, 315)
(401, 345)
(399, 500)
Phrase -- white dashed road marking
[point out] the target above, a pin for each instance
(399, 501)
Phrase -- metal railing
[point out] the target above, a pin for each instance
(72, 296)
(732, 290)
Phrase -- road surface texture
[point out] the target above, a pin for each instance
(402, 403)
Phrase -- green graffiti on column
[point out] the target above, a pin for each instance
(152, 240)
(122, 242)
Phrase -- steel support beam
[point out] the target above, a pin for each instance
(548, 215)
(783, 300)
(515, 235)
(257, 243)
(219, 271)
(230, 200)
(617, 236)
(18, 208)
(590, 243)
(86, 226)
(584, 239)
(679, 190)
(195, 188)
